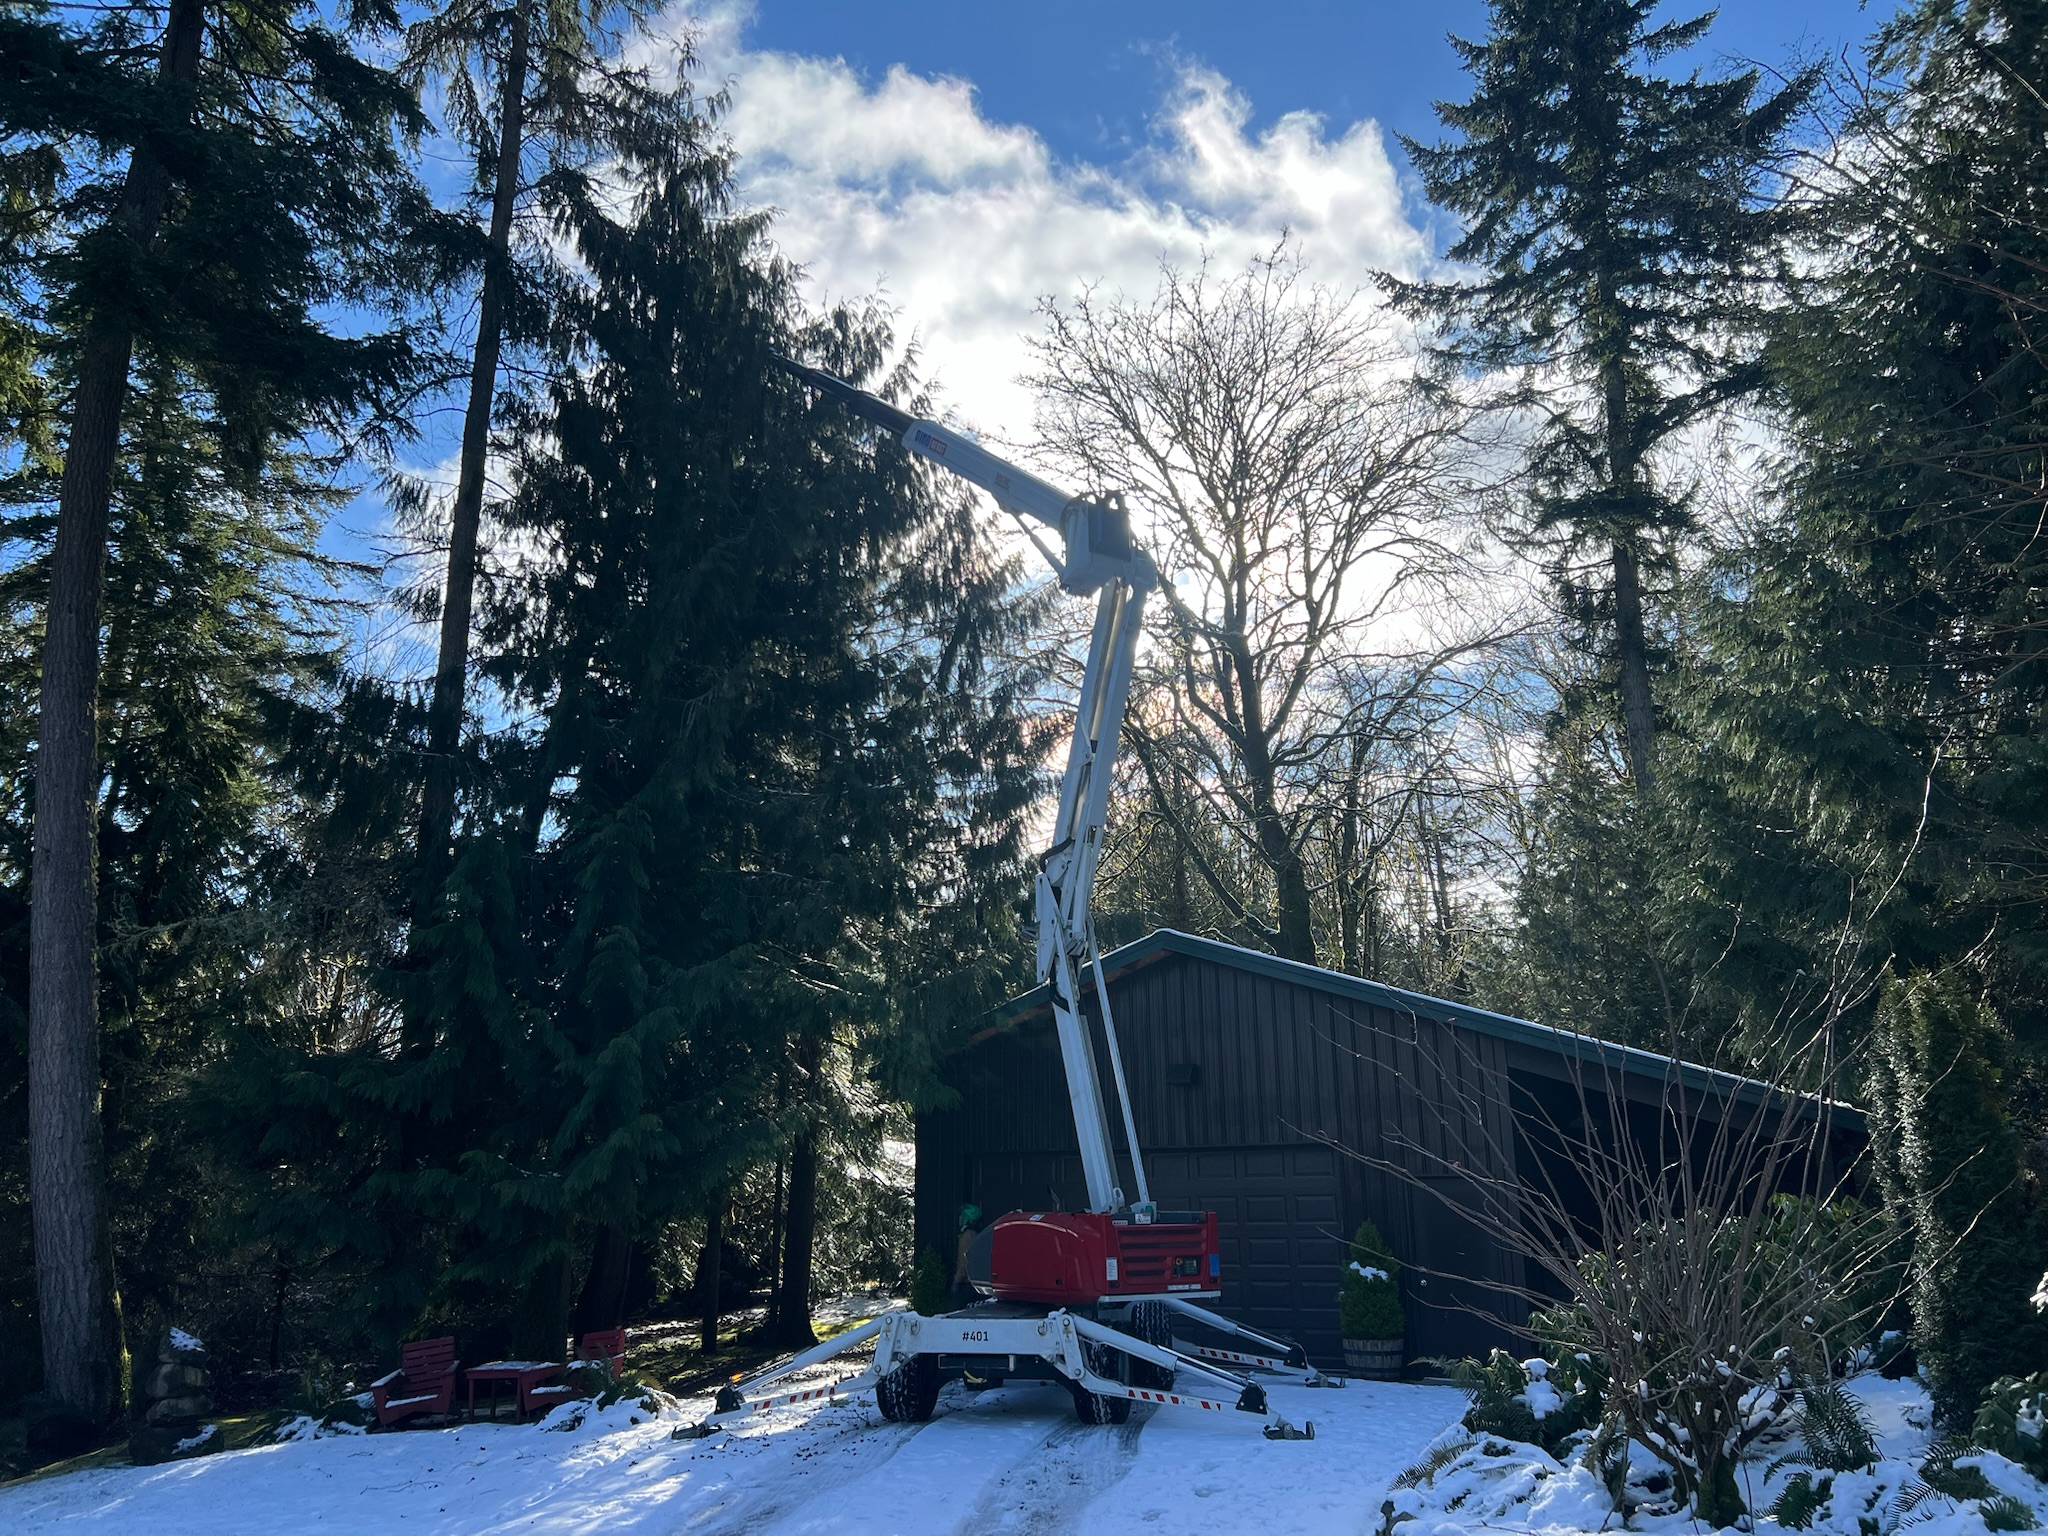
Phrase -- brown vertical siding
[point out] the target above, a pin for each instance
(1279, 1064)
(1412, 1106)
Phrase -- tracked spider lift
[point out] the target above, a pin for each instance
(1105, 1300)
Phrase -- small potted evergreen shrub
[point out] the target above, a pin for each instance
(1369, 1305)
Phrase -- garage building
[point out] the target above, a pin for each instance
(1254, 1082)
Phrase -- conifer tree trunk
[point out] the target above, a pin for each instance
(74, 1259)
(451, 671)
(799, 1237)
(602, 1302)
(1631, 652)
(1638, 711)
(774, 1309)
(709, 1263)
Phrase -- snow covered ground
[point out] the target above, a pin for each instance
(1012, 1460)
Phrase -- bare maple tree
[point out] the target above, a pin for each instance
(1296, 483)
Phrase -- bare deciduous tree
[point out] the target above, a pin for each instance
(1295, 481)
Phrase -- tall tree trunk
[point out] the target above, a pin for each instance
(710, 1264)
(1350, 884)
(74, 1252)
(540, 1320)
(281, 1279)
(451, 671)
(1296, 939)
(774, 1308)
(1638, 712)
(602, 1302)
(793, 1309)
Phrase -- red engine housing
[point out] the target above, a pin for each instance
(1064, 1258)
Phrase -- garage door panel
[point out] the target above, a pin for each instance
(1321, 1210)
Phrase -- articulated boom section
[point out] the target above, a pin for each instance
(1066, 932)
(1132, 1268)
(1098, 555)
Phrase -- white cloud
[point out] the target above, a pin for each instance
(902, 185)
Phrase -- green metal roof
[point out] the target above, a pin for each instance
(1586, 1048)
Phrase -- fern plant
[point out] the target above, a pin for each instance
(1835, 1431)
(1804, 1497)
(2004, 1512)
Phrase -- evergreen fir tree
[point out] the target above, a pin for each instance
(1622, 223)
(541, 100)
(1950, 1163)
(751, 766)
(214, 193)
(1869, 690)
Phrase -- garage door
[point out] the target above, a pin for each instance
(1276, 1212)
(1276, 1215)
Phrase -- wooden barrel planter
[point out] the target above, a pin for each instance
(1374, 1359)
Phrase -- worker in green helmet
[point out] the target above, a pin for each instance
(970, 1229)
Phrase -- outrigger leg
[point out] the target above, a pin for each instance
(1255, 1351)
(1059, 1340)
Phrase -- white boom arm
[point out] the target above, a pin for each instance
(1097, 555)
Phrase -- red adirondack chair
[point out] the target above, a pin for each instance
(608, 1344)
(605, 1347)
(423, 1383)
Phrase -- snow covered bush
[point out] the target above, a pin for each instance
(1369, 1305)
(2011, 1419)
(1541, 1402)
(1853, 1460)
(346, 1416)
(1466, 1481)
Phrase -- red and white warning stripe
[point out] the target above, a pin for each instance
(1262, 1362)
(808, 1395)
(1179, 1400)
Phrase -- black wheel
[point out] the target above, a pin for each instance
(1150, 1322)
(1102, 1407)
(1099, 1407)
(907, 1394)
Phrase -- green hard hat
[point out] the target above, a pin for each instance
(969, 1215)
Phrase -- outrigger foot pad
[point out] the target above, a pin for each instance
(1280, 1429)
(1318, 1379)
(701, 1431)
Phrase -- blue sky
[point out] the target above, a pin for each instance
(1085, 76)
(966, 163)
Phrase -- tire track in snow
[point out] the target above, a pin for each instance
(849, 1450)
(1047, 1492)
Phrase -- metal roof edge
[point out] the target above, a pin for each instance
(1581, 1047)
